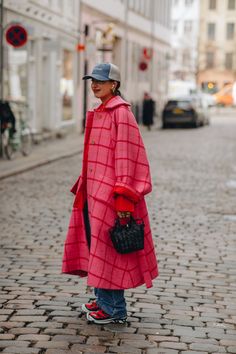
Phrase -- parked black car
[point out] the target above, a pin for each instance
(185, 110)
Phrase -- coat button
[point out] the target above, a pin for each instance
(93, 141)
(90, 170)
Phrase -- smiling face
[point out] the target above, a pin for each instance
(103, 89)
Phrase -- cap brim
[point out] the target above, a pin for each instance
(95, 77)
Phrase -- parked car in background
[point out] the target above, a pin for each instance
(189, 110)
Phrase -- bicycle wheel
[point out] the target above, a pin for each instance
(8, 151)
(6, 145)
(26, 142)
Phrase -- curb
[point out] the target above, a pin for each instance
(38, 158)
(33, 166)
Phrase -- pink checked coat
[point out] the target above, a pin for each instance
(114, 162)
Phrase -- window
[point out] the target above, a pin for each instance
(17, 73)
(60, 4)
(188, 2)
(209, 87)
(188, 26)
(230, 30)
(212, 4)
(131, 4)
(148, 9)
(211, 27)
(186, 58)
(209, 60)
(142, 7)
(137, 5)
(67, 85)
(174, 26)
(231, 4)
(229, 61)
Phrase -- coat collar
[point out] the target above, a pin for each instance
(113, 103)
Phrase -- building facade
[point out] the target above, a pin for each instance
(67, 37)
(184, 39)
(44, 72)
(217, 44)
(136, 37)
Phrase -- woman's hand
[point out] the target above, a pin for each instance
(124, 214)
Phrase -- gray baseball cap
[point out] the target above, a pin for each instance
(104, 72)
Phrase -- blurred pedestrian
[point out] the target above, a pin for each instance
(148, 110)
(114, 180)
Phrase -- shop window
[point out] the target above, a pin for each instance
(67, 85)
(209, 87)
(16, 74)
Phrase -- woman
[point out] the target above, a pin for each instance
(148, 110)
(115, 177)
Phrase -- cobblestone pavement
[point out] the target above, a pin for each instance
(192, 305)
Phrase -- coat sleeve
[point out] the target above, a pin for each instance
(123, 204)
(133, 179)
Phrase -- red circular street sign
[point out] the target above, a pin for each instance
(143, 66)
(16, 35)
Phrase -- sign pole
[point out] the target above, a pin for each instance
(86, 33)
(1, 51)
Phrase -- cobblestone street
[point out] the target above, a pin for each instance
(192, 306)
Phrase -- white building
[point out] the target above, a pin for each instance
(46, 73)
(217, 44)
(141, 34)
(184, 39)
(43, 73)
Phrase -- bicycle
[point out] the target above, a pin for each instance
(19, 139)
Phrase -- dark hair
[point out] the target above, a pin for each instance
(117, 91)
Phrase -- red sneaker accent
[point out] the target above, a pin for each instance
(100, 315)
(89, 307)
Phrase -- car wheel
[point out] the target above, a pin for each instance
(165, 125)
(196, 123)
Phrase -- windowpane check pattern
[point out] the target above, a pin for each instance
(114, 161)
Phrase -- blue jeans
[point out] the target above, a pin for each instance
(111, 301)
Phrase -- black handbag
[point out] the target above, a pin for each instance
(128, 238)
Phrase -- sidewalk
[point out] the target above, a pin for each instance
(42, 154)
(47, 152)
